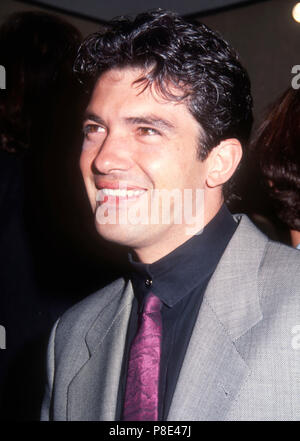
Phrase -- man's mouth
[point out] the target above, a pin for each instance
(116, 196)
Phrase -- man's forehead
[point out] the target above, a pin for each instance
(138, 80)
(140, 106)
(128, 75)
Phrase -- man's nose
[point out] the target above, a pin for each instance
(115, 154)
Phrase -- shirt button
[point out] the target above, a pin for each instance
(148, 283)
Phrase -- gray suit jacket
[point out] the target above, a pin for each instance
(243, 359)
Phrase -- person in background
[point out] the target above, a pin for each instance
(277, 145)
(38, 51)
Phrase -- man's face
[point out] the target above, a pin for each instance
(135, 139)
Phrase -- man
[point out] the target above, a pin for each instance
(205, 327)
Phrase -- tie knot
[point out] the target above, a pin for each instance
(152, 304)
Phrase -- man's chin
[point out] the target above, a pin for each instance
(118, 234)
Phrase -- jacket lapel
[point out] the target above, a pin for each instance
(213, 370)
(92, 394)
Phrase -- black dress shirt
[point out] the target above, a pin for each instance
(179, 279)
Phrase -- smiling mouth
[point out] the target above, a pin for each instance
(115, 196)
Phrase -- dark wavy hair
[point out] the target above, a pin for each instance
(173, 52)
(277, 145)
(38, 51)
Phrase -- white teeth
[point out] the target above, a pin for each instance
(121, 193)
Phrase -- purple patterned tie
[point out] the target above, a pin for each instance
(141, 396)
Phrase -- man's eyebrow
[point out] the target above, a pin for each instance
(93, 117)
(144, 119)
(151, 120)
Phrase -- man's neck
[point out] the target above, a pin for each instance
(175, 238)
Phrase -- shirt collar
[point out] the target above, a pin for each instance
(175, 275)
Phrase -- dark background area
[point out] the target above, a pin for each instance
(263, 32)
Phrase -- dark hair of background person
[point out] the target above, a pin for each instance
(277, 146)
(37, 51)
(204, 69)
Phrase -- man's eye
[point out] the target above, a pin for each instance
(147, 131)
(89, 129)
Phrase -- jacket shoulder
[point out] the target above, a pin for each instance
(276, 266)
(281, 262)
(280, 271)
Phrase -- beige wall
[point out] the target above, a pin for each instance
(268, 41)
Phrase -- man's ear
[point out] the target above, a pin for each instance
(223, 161)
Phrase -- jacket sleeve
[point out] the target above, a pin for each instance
(46, 405)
